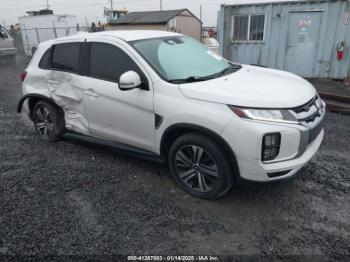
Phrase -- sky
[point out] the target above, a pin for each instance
(10, 10)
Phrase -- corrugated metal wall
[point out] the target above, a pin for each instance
(347, 18)
(333, 28)
(187, 24)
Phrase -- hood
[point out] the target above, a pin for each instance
(255, 87)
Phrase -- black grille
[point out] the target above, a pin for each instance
(306, 107)
(309, 112)
(311, 118)
(278, 174)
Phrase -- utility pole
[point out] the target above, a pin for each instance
(111, 5)
(161, 5)
(47, 5)
(87, 23)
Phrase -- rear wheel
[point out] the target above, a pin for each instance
(48, 121)
(200, 166)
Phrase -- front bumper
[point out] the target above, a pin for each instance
(7, 51)
(299, 145)
(289, 168)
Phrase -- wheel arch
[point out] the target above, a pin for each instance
(177, 130)
(32, 100)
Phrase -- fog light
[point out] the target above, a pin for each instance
(270, 146)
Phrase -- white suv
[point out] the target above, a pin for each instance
(166, 96)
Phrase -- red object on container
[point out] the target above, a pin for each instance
(340, 50)
(340, 55)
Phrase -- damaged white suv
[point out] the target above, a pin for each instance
(167, 97)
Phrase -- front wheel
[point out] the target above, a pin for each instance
(200, 166)
(48, 121)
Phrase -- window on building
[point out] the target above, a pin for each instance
(248, 27)
(240, 27)
(257, 27)
(66, 57)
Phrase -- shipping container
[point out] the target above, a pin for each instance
(309, 38)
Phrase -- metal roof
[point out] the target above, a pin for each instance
(151, 17)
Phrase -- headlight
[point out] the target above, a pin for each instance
(282, 116)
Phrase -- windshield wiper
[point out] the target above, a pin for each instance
(190, 79)
(230, 69)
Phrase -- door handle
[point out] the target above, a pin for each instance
(53, 82)
(91, 93)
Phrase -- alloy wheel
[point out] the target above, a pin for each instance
(196, 168)
(43, 122)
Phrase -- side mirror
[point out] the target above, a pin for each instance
(129, 80)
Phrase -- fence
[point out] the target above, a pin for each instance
(31, 38)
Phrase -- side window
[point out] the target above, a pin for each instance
(109, 62)
(45, 60)
(66, 57)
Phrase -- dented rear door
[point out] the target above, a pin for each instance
(64, 83)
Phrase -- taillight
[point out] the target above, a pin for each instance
(23, 75)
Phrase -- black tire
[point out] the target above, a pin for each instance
(212, 172)
(48, 121)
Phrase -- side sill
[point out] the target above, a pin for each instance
(129, 150)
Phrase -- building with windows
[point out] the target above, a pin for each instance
(179, 21)
(114, 15)
(309, 38)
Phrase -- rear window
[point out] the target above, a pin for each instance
(66, 57)
(45, 62)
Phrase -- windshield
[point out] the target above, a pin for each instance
(181, 58)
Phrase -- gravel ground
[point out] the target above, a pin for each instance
(70, 198)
